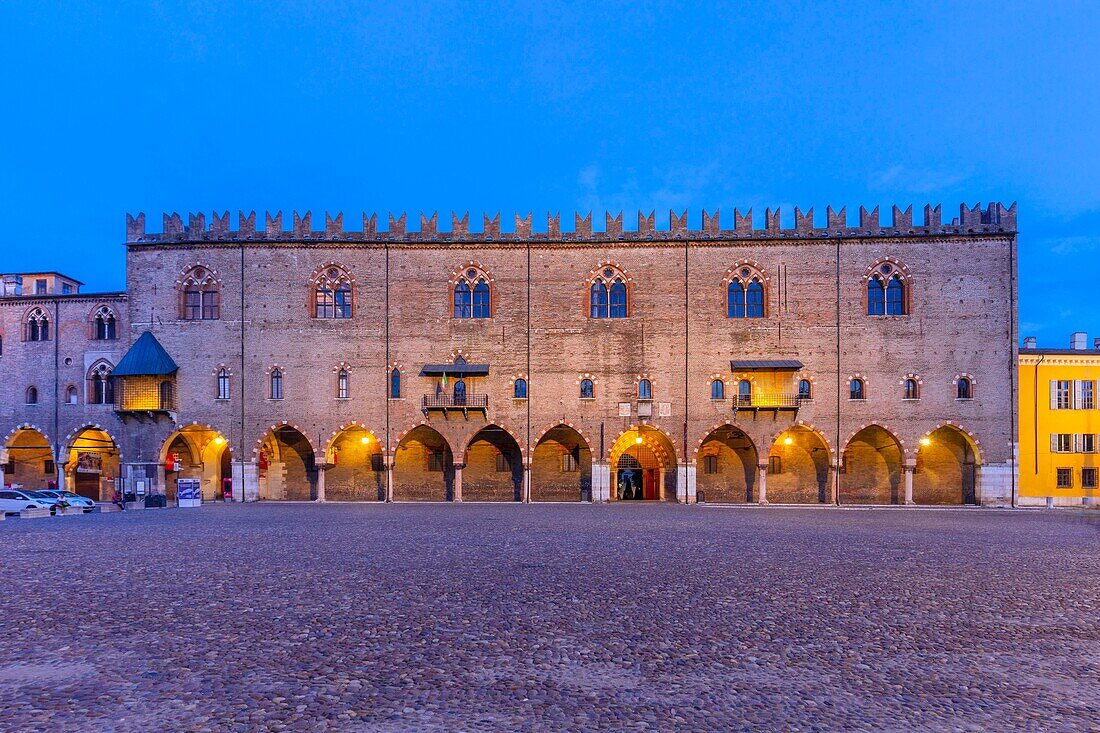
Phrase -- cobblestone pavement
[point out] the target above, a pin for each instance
(544, 618)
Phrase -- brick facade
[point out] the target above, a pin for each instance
(960, 294)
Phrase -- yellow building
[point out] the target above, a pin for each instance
(1059, 462)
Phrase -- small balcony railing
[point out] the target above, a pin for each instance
(451, 402)
(769, 401)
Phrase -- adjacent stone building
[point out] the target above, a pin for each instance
(827, 362)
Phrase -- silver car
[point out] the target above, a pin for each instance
(14, 500)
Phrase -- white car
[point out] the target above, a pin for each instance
(12, 500)
(54, 496)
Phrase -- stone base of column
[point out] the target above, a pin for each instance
(686, 488)
(601, 482)
(994, 484)
(246, 481)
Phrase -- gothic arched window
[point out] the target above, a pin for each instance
(718, 390)
(395, 383)
(101, 385)
(519, 389)
(744, 392)
(37, 325)
(588, 389)
(886, 289)
(103, 325)
(200, 293)
(964, 389)
(745, 297)
(333, 296)
(343, 390)
(805, 389)
(645, 390)
(856, 389)
(473, 295)
(911, 389)
(223, 384)
(609, 295)
(276, 383)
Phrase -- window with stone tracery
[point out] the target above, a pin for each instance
(745, 293)
(37, 326)
(333, 294)
(104, 325)
(609, 294)
(473, 295)
(200, 295)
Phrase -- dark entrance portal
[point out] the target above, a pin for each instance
(635, 482)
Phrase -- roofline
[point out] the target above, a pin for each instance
(45, 272)
(67, 296)
(1060, 352)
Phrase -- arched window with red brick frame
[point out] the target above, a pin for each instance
(610, 293)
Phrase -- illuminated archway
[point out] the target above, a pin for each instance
(93, 463)
(725, 466)
(798, 468)
(872, 468)
(643, 466)
(493, 467)
(287, 466)
(423, 467)
(561, 466)
(354, 467)
(946, 468)
(198, 452)
(30, 460)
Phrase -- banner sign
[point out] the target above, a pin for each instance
(89, 463)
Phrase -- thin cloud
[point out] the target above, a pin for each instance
(1072, 245)
(914, 180)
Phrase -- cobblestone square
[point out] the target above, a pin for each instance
(543, 618)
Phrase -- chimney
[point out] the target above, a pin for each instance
(13, 285)
(1096, 343)
(1079, 341)
(1029, 342)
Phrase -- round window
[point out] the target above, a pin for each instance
(886, 269)
(68, 361)
(334, 273)
(471, 273)
(745, 272)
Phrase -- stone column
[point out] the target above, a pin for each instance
(61, 477)
(389, 478)
(831, 487)
(601, 481)
(909, 467)
(458, 481)
(246, 481)
(661, 484)
(3, 462)
(762, 483)
(321, 483)
(686, 488)
(526, 482)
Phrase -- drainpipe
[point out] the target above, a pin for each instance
(1035, 422)
(838, 450)
(390, 459)
(56, 379)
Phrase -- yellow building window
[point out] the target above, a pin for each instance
(1065, 478)
(1088, 478)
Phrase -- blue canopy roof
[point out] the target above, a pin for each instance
(145, 358)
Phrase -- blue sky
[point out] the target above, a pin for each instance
(194, 106)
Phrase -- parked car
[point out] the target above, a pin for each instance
(16, 501)
(72, 499)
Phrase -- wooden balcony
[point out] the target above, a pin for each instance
(768, 401)
(448, 403)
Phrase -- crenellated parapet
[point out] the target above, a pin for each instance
(995, 218)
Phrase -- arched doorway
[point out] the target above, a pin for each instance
(287, 467)
(643, 466)
(798, 468)
(423, 467)
(726, 466)
(354, 469)
(946, 470)
(872, 468)
(561, 466)
(93, 464)
(494, 467)
(198, 452)
(30, 461)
